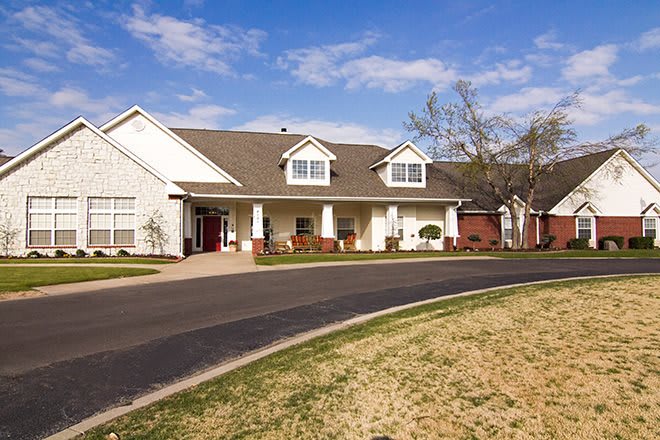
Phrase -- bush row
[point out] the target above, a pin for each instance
(59, 253)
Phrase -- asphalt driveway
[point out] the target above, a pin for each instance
(64, 358)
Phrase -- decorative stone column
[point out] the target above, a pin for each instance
(257, 228)
(327, 229)
(187, 228)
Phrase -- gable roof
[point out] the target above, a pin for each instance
(309, 139)
(137, 109)
(253, 159)
(551, 189)
(389, 155)
(74, 125)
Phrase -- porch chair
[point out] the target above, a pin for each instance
(349, 242)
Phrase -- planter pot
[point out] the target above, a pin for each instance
(233, 248)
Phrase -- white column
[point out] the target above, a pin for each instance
(392, 220)
(451, 222)
(187, 220)
(257, 220)
(327, 222)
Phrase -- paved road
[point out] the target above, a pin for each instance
(65, 358)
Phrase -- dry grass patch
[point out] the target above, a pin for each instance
(567, 360)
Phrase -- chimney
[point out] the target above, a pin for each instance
(283, 130)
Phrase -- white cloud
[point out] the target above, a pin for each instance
(510, 71)
(201, 116)
(40, 65)
(548, 41)
(650, 39)
(196, 95)
(15, 83)
(67, 31)
(44, 49)
(333, 131)
(80, 102)
(193, 43)
(318, 66)
(526, 99)
(591, 63)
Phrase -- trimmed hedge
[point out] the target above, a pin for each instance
(578, 243)
(619, 240)
(640, 243)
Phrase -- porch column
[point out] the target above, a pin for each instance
(451, 227)
(187, 228)
(327, 229)
(257, 228)
(392, 221)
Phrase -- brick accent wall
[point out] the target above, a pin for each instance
(624, 226)
(257, 246)
(187, 246)
(486, 225)
(83, 165)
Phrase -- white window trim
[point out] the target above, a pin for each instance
(112, 211)
(290, 180)
(52, 211)
(592, 241)
(657, 225)
(407, 183)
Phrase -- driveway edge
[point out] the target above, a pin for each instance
(80, 428)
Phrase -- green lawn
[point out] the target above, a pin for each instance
(316, 258)
(117, 260)
(572, 359)
(16, 279)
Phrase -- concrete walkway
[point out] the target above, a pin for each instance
(196, 266)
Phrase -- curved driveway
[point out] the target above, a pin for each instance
(64, 358)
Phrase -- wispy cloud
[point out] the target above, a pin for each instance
(509, 71)
(66, 30)
(193, 43)
(591, 63)
(39, 65)
(201, 116)
(333, 131)
(196, 95)
(548, 40)
(16, 83)
(650, 39)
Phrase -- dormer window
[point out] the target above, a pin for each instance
(405, 166)
(407, 172)
(302, 169)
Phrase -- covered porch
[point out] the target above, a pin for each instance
(273, 225)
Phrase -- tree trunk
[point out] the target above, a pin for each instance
(528, 218)
(515, 226)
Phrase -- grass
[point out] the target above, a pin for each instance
(316, 258)
(111, 260)
(565, 360)
(17, 279)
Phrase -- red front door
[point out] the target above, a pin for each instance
(211, 233)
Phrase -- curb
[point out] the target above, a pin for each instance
(80, 428)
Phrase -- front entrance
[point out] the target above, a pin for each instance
(215, 232)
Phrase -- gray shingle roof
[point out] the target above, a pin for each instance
(4, 159)
(252, 159)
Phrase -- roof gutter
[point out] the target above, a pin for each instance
(329, 198)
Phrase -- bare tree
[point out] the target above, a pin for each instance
(154, 232)
(8, 235)
(511, 155)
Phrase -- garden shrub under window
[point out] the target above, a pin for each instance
(578, 243)
(641, 243)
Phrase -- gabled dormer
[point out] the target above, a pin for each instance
(307, 163)
(404, 166)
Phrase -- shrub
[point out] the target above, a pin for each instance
(548, 239)
(99, 253)
(493, 243)
(619, 240)
(80, 253)
(391, 244)
(122, 253)
(578, 243)
(59, 253)
(640, 243)
(34, 254)
(430, 232)
(474, 238)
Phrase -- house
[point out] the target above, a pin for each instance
(87, 187)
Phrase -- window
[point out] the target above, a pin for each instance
(651, 227)
(508, 228)
(299, 169)
(345, 226)
(111, 221)
(316, 169)
(398, 172)
(399, 225)
(407, 172)
(584, 225)
(52, 221)
(308, 169)
(304, 226)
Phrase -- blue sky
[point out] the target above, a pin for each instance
(344, 71)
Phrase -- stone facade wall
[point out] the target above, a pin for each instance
(83, 165)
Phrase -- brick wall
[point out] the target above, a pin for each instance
(486, 225)
(564, 228)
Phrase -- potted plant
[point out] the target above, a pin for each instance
(233, 246)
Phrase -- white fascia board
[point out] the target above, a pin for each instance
(328, 198)
(309, 139)
(137, 109)
(395, 151)
(592, 209)
(172, 188)
(653, 207)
